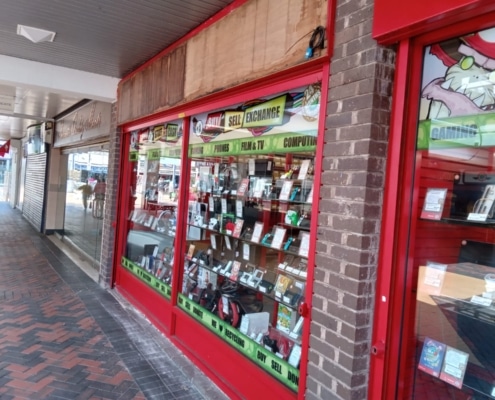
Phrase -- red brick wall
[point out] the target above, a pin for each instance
(357, 122)
(111, 203)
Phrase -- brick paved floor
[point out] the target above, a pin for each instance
(64, 337)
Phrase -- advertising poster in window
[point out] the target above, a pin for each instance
(285, 122)
(457, 97)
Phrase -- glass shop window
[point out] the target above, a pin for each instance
(453, 251)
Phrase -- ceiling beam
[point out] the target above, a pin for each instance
(26, 116)
(65, 81)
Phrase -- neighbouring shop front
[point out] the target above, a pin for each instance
(434, 340)
(80, 165)
(216, 221)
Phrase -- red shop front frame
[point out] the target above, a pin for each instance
(393, 320)
(214, 356)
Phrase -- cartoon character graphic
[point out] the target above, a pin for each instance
(467, 88)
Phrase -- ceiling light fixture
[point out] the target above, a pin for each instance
(35, 35)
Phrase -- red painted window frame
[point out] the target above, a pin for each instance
(310, 72)
(394, 281)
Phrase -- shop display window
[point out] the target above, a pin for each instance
(248, 230)
(453, 256)
(155, 156)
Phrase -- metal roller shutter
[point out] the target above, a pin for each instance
(34, 189)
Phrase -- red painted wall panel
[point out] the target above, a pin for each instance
(239, 377)
(394, 20)
(149, 302)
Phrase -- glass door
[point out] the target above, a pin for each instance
(85, 202)
(452, 244)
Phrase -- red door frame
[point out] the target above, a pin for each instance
(392, 324)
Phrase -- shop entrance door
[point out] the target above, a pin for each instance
(447, 348)
(85, 202)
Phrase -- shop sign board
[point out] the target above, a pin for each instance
(7, 104)
(286, 122)
(91, 121)
(466, 131)
(147, 278)
(277, 367)
(286, 142)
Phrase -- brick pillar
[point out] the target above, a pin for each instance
(111, 202)
(356, 135)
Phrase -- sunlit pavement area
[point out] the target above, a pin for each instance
(64, 337)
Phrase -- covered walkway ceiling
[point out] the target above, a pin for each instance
(96, 43)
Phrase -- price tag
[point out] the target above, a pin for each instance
(246, 251)
(257, 232)
(213, 241)
(251, 166)
(278, 238)
(238, 208)
(482, 301)
(477, 217)
(304, 248)
(244, 324)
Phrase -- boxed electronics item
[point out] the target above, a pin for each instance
(286, 318)
(255, 323)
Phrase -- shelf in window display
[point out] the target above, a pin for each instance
(265, 188)
(233, 224)
(220, 210)
(289, 245)
(153, 223)
(291, 199)
(464, 221)
(304, 227)
(286, 294)
(284, 285)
